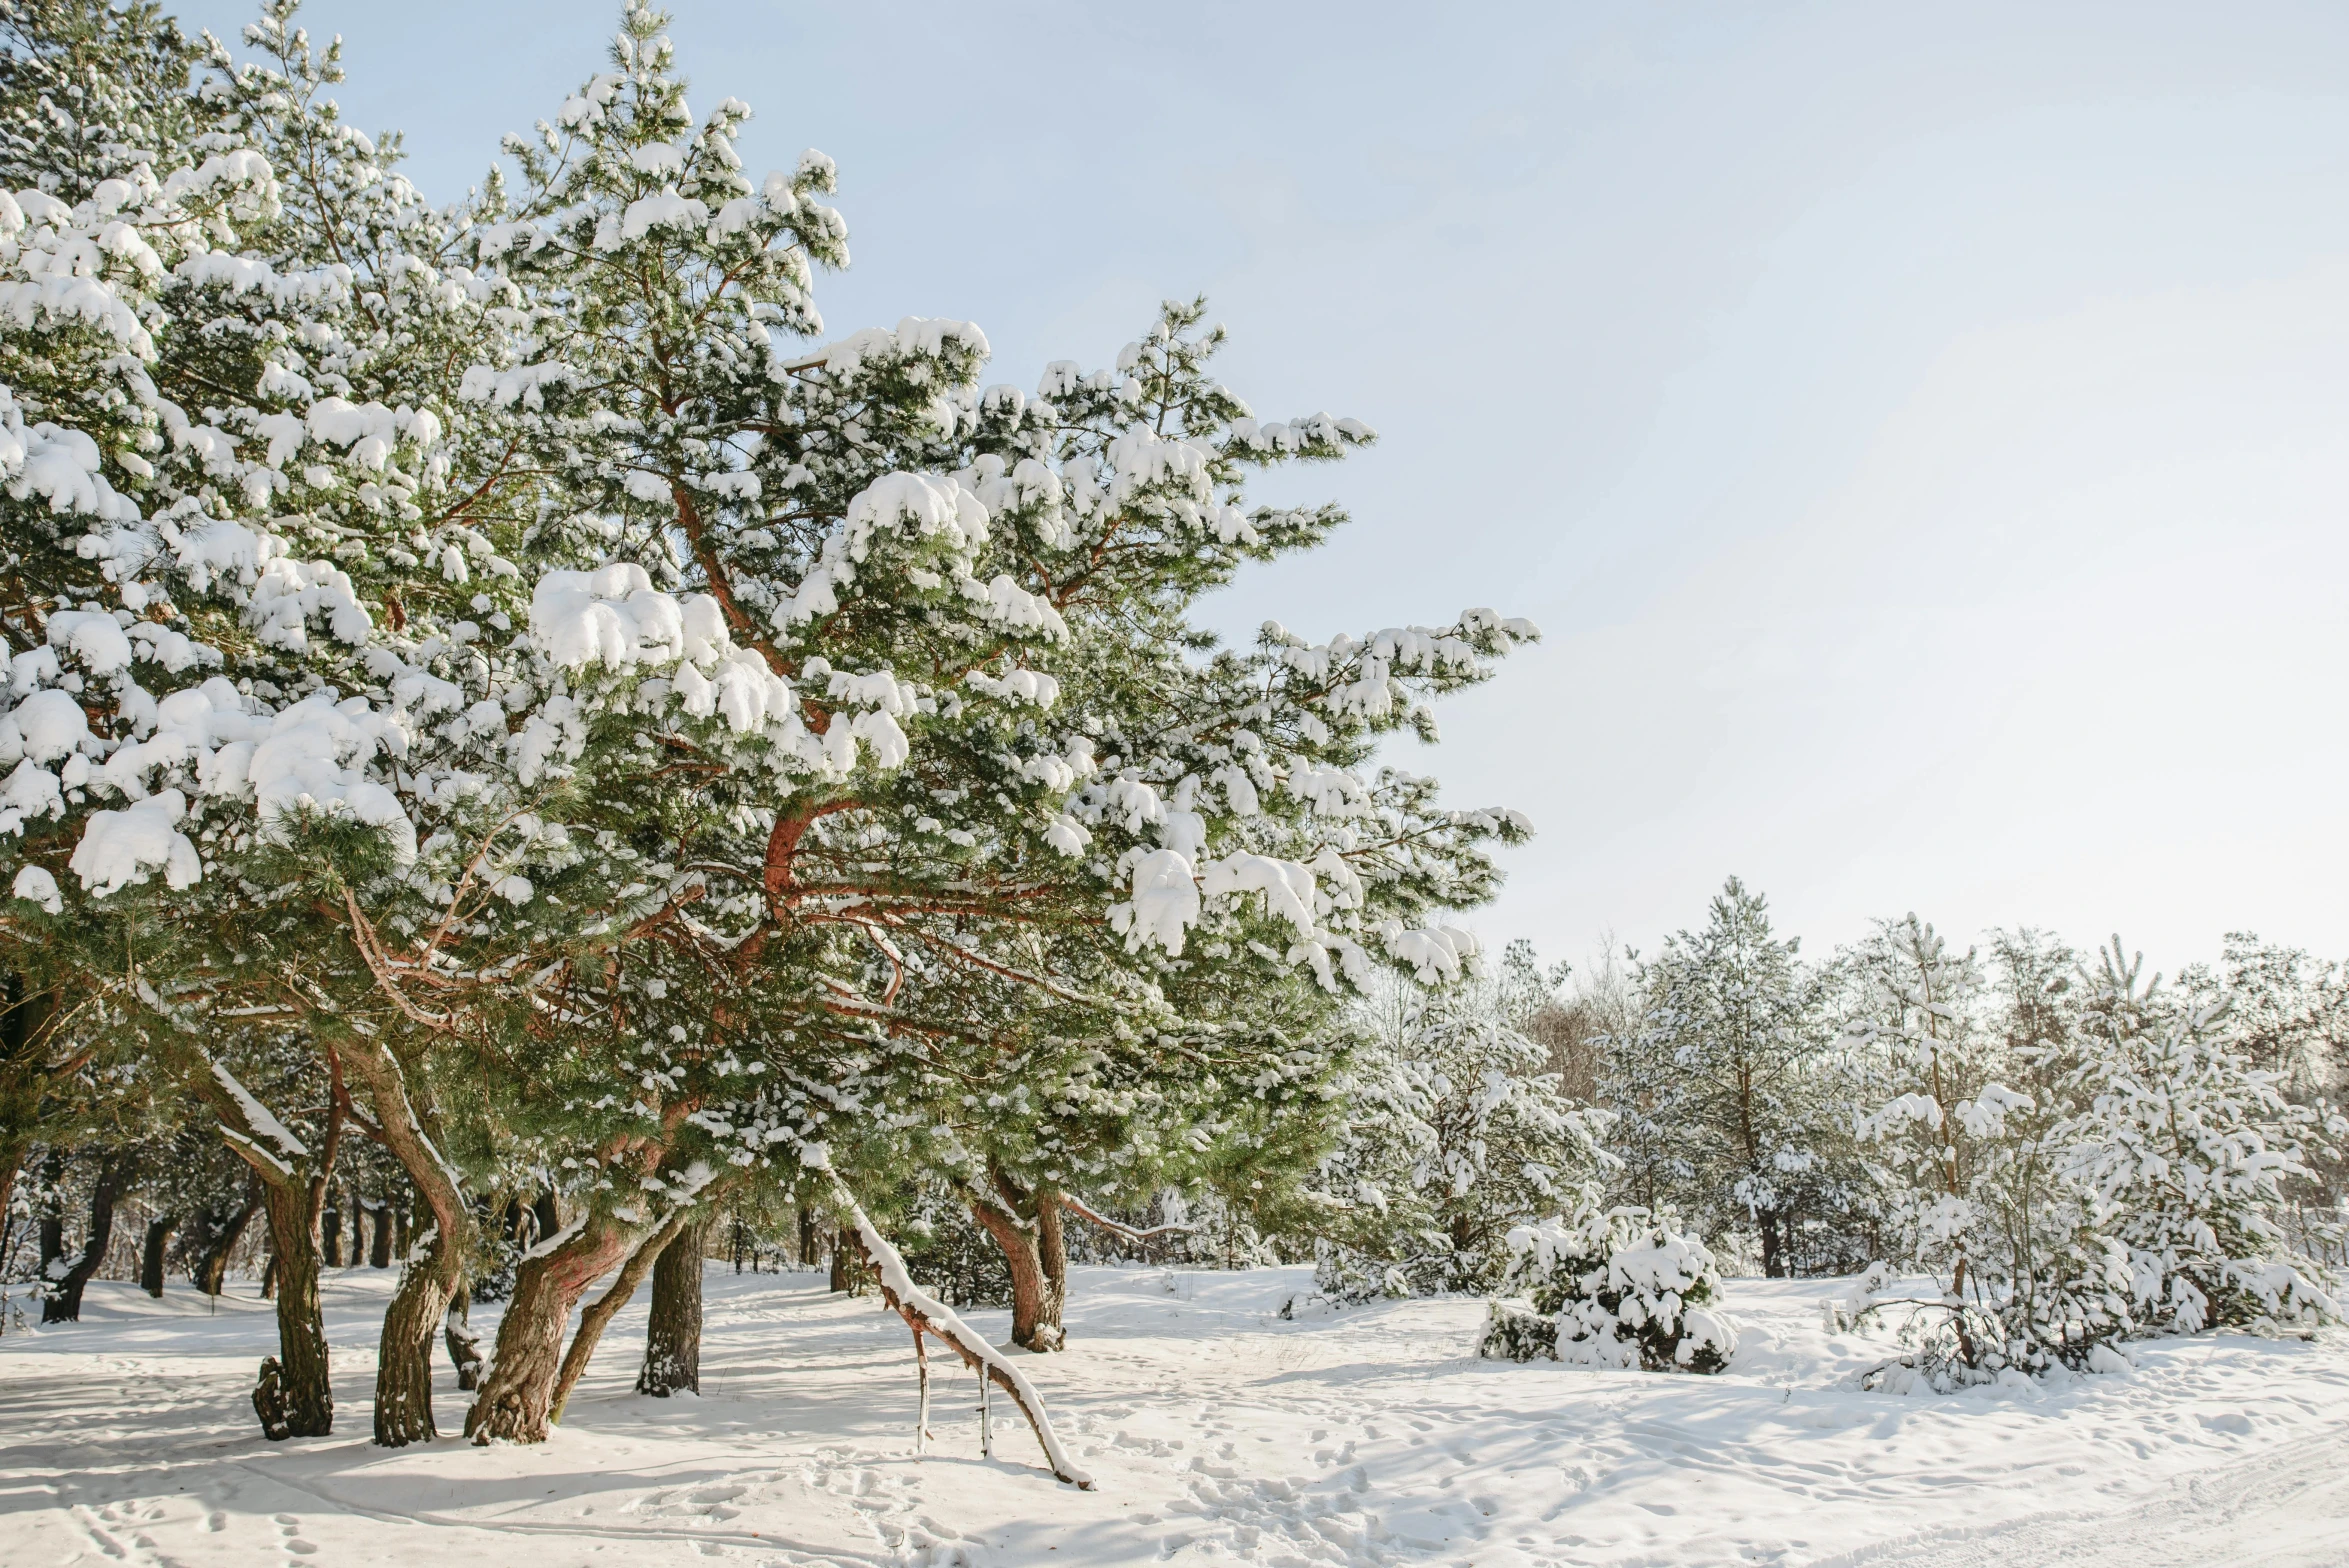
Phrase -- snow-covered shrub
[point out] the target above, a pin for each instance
(1514, 1331)
(1625, 1288)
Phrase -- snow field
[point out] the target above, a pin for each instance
(1217, 1431)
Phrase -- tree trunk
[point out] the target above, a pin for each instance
(294, 1397)
(807, 1236)
(1038, 1256)
(601, 1311)
(464, 1344)
(52, 1213)
(159, 1231)
(1773, 1254)
(1052, 1255)
(63, 1301)
(216, 1236)
(1028, 1329)
(428, 1282)
(379, 1255)
(12, 1152)
(847, 1263)
(403, 1366)
(518, 1395)
(330, 1235)
(672, 1340)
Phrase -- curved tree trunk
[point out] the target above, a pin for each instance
(63, 1301)
(924, 1314)
(158, 1236)
(1018, 1244)
(672, 1339)
(600, 1312)
(294, 1397)
(517, 1397)
(429, 1276)
(1026, 1226)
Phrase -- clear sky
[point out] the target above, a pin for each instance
(1921, 432)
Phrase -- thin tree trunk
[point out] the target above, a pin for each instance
(63, 1302)
(429, 1280)
(209, 1271)
(672, 1339)
(52, 1212)
(12, 1153)
(330, 1236)
(807, 1236)
(517, 1397)
(1773, 1254)
(600, 1312)
(847, 1263)
(158, 1236)
(380, 1256)
(1052, 1255)
(464, 1344)
(295, 1397)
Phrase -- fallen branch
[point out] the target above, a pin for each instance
(925, 1314)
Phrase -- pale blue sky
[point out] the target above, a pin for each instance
(1923, 433)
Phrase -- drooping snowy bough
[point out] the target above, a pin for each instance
(925, 1314)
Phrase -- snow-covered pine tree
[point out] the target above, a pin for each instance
(1977, 1194)
(497, 526)
(2189, 1147)
(1456, 1133)
(1731, 1082)
(2287, 1012)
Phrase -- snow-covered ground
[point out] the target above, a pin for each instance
(1217, 1432)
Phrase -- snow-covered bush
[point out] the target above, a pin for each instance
(1624, 1288)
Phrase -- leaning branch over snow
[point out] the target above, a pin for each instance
(925, 1314)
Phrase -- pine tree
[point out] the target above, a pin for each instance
(2190, 1147)
(1724, 1083)
(1456, 1134)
